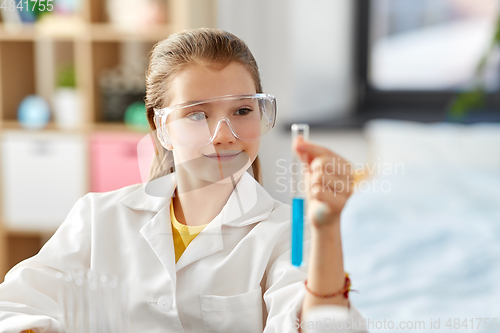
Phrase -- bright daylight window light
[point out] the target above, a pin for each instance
(431, 44)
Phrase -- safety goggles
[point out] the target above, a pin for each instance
(196, 124)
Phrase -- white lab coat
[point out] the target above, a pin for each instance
(235, 276)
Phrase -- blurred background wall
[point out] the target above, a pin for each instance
(304, 50)
(306, 57)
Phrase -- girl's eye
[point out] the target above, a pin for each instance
(243, 111)
(196, 116)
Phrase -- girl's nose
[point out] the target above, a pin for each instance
(223, 133)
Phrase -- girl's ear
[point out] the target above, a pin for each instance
(168, 146)
(165, 142)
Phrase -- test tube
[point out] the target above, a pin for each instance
(92, 303)
(298, 190)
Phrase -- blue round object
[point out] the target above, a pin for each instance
(33, 112)
(135, 117)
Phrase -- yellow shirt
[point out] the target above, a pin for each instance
(182, 234)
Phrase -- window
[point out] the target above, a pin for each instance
(414, 56)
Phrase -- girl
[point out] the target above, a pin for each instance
(202, 247)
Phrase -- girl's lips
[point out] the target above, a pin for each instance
(223, 158)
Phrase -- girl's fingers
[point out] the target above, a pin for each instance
(331, 165)
(335, 180)
(308, 150)
(330, 179)
(331, 190)
(329, 195)
(312, 149)
(321, 159)
(330, 183)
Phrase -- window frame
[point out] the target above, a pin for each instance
(419, 105)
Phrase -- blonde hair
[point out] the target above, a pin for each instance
(171, 56)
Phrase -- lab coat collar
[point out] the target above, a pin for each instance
(152, 196)
(248, 203)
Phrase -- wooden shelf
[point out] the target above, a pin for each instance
(55, 28)
(108, 32)
(111, 126)
(92, 32)
(50, 127)
(30, 55)
(28, 232)
(53, 127)
(22, 33)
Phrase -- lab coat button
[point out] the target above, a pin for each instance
(164, 303)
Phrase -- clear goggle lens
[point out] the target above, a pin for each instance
(196, 124)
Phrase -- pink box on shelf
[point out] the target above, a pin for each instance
(113, 160)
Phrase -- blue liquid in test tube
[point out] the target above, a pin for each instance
(298, 188)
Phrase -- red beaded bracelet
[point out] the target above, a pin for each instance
(345, 290)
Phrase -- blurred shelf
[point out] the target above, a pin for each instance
(17, 33)
(111, 126)
(54, 31)
(28, 232)
(109, 32)
(30, 54)
(82, 31)
(50, 127)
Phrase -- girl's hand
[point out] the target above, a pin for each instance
(330, 182)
